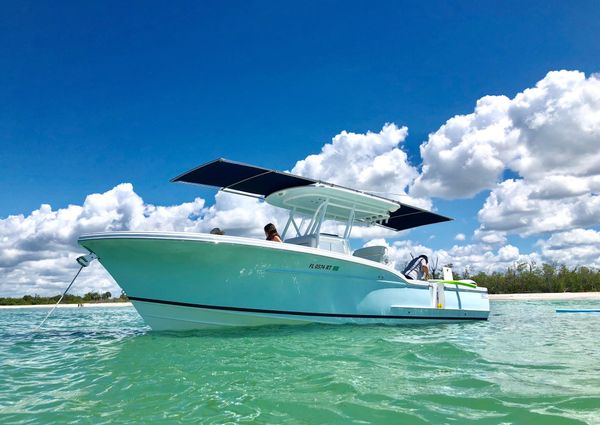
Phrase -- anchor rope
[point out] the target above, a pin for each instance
(60, 299)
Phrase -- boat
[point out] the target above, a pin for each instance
(185, 281)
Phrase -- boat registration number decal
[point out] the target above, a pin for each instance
(317, 266)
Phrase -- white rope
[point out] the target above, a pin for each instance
(60, 299)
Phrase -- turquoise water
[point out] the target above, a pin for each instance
(526, 365)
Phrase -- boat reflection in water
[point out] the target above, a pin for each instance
(183, 281)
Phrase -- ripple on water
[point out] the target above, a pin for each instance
(525, 365)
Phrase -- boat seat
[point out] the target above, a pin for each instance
(378, 254)
(327, 242)
(307, 240)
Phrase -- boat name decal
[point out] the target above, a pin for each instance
(317, 266)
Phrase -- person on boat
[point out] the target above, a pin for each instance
(417, 268)
(271, 233)
(217, 231)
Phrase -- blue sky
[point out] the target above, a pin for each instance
(100, 93)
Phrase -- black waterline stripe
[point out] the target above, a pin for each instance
(298, 313)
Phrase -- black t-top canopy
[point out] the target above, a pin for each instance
(235, 176)
(257, 181)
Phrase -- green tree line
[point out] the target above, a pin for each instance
(90, 297)
(531, 277)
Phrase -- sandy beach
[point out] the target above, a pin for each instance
(84, 305)
(556, 296)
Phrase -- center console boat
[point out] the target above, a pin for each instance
(183, 281)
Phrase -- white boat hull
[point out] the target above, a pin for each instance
(180, 281)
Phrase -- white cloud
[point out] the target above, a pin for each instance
(459, 237)
(373, 162)
(548, 135)
(517, 207)
(490, 237)
(473, 257)
(574, 248)
(551, 129)
(559, 129)
(241, 216)
(508, 253)
(577, 247)
(559, 125)
(469, 152)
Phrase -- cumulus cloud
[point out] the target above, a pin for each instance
(240, 215)
(469, 152)
(490, 237)
(559, 125)
(373, 162)
(552, 129)
(577, 247)
(573, 248)
(459, 237)
(517, 207)
(548, 135)
(472, 257)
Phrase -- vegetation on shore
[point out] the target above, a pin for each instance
(533, 278)
(90, 297)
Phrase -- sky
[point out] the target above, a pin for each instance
(487, 112)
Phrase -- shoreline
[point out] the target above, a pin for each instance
(84, 305)
(546, 296)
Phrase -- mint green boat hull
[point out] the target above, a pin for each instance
(182, 281)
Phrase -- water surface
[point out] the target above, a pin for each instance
(527, 364)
